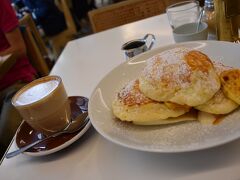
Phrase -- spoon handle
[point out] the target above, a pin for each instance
(20, 150)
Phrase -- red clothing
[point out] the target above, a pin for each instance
(22, 70)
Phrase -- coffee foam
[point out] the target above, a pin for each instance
(36, 92)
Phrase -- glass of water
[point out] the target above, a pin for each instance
(183, 13)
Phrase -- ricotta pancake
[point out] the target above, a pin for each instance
(206, 118)
(219, 103)
(230, 80)
(181, 76)
(132, 105)
(189, 116)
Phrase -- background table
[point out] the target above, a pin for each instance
(83, 63)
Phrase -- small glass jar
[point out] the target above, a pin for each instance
(209, 17)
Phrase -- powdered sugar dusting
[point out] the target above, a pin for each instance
(219, 67)
(169, 68)
(131, 95)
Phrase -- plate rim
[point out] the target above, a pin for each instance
(161, 48)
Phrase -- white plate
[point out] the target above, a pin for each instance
(165, 138)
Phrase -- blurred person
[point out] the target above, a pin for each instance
(80, 10)
(20, 8)
(47, 15)
(21, 73)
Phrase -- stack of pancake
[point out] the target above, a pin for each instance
(177, 85)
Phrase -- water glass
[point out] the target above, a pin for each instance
(183, 13)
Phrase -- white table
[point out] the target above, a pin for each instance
(82, 65)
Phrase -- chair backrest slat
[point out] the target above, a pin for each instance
(35, 46)
(124, 12)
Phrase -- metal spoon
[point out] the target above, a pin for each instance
(78, 123)
(199, 19)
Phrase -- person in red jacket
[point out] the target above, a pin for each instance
(21, 73)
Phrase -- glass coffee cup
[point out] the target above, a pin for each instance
(44, 105)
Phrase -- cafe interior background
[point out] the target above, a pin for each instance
(94, 19)
(52, 46)
(46, 49)
(82, 55)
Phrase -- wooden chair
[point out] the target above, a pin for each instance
(59, 41)
(28, 22)
(124, 12)
(6, 62)
(34, 44)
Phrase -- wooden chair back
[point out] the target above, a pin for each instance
(59, 41)
(124, 12)
(64, 6)
(28, 22)
(34, 45)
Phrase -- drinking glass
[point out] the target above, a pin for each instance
(44, 104)
(183, 13)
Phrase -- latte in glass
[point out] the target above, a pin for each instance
(44, 105)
